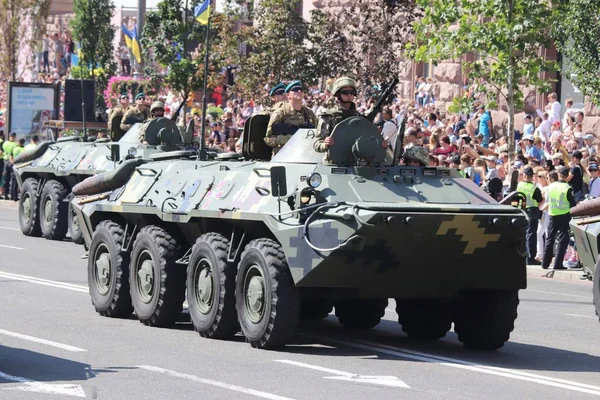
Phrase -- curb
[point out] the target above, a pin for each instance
(9, 204)
(536, 272)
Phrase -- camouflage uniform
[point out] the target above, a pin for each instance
(132, 116)
(272, 109)
(115, 134)
(286, 114)
(328, 120)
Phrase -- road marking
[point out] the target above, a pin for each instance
(44, 282)
(462, 364)
(558, 293)
(11, 247)
(350, 377)
(42, 341)
(10, 229)
(63, 389)
(581, 316)
(222, 385)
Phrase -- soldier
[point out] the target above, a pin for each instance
(135, 114)
(157, 110)
(533, 196)
(289, 117)
(416, 156)
(277, 94)
(116, 132)
(344, 91)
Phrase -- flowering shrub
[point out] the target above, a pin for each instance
(126, 84)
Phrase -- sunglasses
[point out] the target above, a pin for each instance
(348, 92)
(296, 89)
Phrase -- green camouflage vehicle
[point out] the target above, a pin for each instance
(260, 242)
(46, 174)
(585, 228)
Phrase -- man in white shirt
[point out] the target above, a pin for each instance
(553, 108)
(390, 128)
(570, 113)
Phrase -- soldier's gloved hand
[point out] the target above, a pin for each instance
(272, 140)
(328, 141)
(385, 144)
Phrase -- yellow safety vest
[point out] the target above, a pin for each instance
(527, 188)
(557, 199)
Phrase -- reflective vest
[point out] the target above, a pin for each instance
(7, 148)
(557, 199)
(527, 188)
(17, 150)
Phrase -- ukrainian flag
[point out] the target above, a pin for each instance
(202, 12)
(135, 45)
(128, 36)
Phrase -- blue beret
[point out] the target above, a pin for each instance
(278, 89)
(140, 96)
(292, 85)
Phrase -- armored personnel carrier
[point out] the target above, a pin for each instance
(260, 242)
(47, 173)
(585, 228)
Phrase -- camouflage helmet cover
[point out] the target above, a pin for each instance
(342, 83)
(417, 153)
(157, 104)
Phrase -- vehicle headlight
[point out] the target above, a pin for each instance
(132, 151)
(315, 180)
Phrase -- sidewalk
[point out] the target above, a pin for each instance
(569, 275)
(9, 204)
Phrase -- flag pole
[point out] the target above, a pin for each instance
(202, 153)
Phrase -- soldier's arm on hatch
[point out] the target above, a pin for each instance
(323, 132)
(270, 138)
(124, 126)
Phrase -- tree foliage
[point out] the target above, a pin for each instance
(504, 35)
(92, 29)
(577, 36)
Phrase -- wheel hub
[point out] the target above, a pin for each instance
(27, 208)
(255, 295)
(74, 221)
(103, 273)
(204, 282)
(146, 280)
(48, 211)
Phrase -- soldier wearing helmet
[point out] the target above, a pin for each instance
(135, 114)
(416, 156)
(291, 116)
(344, 91)
(157, 110)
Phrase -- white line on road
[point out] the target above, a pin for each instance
(11, 247)
(222, 385)
(558, 293)
(581, 316)
(10, 229)
(462, 364)
(39, 387)
(44, 282)
(42, 341)
(350, 377)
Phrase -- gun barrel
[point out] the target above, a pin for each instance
(384, 96)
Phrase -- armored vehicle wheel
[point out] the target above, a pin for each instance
(211, 288)
(483, 319)
(108, 272)
(424, 319)
(266, 298)
(315, 309)
(360, 313)
(74, 229)
(596, 288)
(28, 208)
(157, 283)
(54, 210)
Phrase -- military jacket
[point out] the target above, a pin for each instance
(328, 120)
(287, 116)
(132, 116)
(272, 109)
(115, 112)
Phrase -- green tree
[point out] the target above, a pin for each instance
(577, 36)
(92, 28)
(505, 35)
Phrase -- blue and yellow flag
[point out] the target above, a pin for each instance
(136, 49)
(202, 12)
(128, 35)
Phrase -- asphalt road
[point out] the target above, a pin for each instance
(54, 346)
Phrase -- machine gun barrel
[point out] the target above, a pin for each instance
(382, 99)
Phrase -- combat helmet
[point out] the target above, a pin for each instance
(157, 104)
(342, 83)
(417, 153)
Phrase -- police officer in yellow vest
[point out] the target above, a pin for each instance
(533, 196)
(560, 199)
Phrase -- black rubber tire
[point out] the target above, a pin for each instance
(596, 289)
(220, 320)
(30, 227)
(484, 319)
(74, 229)
(168, 292)
(315, 309)
(281, 303)
(117, 302)
(360, 313)
(57, 227)
(424, 319)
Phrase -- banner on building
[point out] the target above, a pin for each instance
(30, 106)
